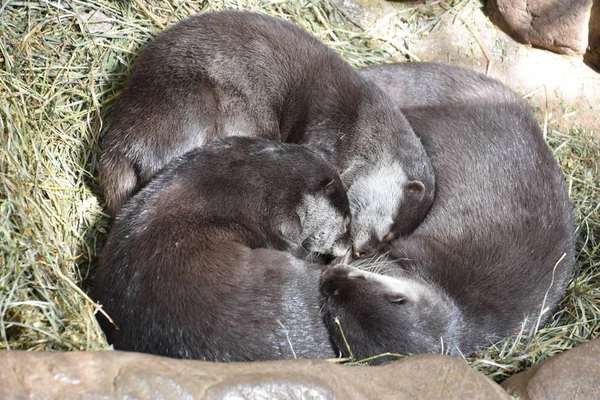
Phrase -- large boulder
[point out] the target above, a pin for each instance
(557, 25)
(574, 374)
(593, 54)
(113, 374)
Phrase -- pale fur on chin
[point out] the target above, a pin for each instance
(323, 226)
(411, 289)
(375, 198)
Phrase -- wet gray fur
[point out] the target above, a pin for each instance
(498, 242)
(199, 264)
(240, 73)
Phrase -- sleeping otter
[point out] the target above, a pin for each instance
(236, 73)
(199, 264)
(497, 244)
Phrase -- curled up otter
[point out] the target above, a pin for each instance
(495, 252)
(200, 263)
(239, 73)
(205, 256)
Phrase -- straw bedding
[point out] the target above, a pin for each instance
(62, 64)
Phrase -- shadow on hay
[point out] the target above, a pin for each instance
(96, 234)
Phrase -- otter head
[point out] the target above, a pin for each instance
(384, 204)
(319, 218)
(370, 314)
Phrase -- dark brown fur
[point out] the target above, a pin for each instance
(496, 246)
(244, 74)
(199, 265)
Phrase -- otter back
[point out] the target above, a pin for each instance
(244, 74)
(199, 264)
(497, 244)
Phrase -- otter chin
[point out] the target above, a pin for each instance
(384, 204)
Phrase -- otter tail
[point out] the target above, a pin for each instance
(119, 180)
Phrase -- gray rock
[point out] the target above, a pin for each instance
(113, 374)
(593, 54)
(557, 25)
(574, 374)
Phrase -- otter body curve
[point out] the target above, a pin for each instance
(200, 263)
(244, 74)
(497, 244)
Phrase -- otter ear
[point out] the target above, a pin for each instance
(414, 188)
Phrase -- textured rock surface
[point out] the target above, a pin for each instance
(593, 54)
(557, 25)
(115, 374)
(574, 374)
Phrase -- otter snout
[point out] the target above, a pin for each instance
(368, 249)
(334, 280)
(362, 252)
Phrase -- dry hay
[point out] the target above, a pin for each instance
(61, 65)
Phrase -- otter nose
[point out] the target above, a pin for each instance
(358, 253)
